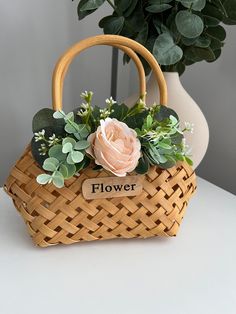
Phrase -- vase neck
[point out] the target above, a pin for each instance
(171, 78)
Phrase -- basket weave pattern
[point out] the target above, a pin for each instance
(63, 216)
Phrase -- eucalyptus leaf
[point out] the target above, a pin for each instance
(197, 54)
(165, 113)
(76, 156)
(91, 5)
(44, 119)
(112, 24)
(58, 114)
(58, 179)
(83, 14)
(143, 165)
(230, 8)
(50, 164)
(188, 24)
(70, 128)
(196, 5)
(43, 178)
(166, 51)
(56, 152)
(120, 111)
(63, 170)
(203, 42)
(69, 140)
(67, 148)
(71, 169)
(80, 145)
(131, 7)
(158, 8)
(217, 32)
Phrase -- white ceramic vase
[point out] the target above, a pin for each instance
(187, 109)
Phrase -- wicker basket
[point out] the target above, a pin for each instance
(55, 215)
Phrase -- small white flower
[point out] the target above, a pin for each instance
(82, 113)
(85, 106)
(110, 101)
(86, 95)
(142, 104)
(189, 126)
(39, 135)
(53, 137)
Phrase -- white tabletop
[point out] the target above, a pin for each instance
(193, 273)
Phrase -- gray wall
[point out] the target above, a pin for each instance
(33, 35)
(213, 86)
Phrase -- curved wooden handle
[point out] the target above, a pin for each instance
(133, 56)
(112, 40)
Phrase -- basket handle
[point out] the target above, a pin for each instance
(68, 56)
(136, 60)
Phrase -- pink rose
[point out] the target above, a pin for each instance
(115, 147)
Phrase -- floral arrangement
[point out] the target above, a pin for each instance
(117, 138)
(177, 32)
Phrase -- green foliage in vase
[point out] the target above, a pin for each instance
(179, 33)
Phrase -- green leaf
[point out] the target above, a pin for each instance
(58, 114)
(212, 11)
(44, 119)
(217, 32)
(69, 140)
(188, 24)
(71, 170)
(76, 156)
(63, 170)
(70, 128)
(50, 164)
(123, 5)
(69, 116)
(203, 42)
(80, 145)
(83, 14)
(58, 179)
(160, 27)
(131, 7)
(168, 164)
(143, 34)
(67, 148)
(217, 54)
(120, 111)
(166, 51)
(189, 41)
(43, 178)
(230, 8)
(188, 160)
(197, 54)
(196, 5)
(91, 5)
(164, 113)
(157, 8)
(164, 146)
(83, 164)
(149, 121)
(112, 24)
(56, 152)
(143, 165)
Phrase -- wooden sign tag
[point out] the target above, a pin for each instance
(109, 187)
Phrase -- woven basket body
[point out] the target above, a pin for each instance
(63, 215)
(55, 215)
